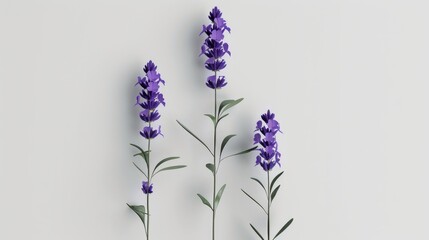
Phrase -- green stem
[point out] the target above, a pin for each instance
(214, 164)
(269, 203)
(148, 182)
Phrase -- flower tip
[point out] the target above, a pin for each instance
(215, 13)
(150, 66)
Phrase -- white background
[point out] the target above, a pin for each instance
(348, 81)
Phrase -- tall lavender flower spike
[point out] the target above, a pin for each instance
(214, 48)
(268, 157)
(149, 99)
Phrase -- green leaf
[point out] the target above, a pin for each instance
(195, 136)
(260, 183)
(225, 141)
(136, 146)
(219, 196)
(256, 231)
(211, 117)
(232, 104)
(145, 156)
(224, 103)
(163, 161)
(275, 179)
(169, 168)
(222, 117)
(142, 153)
(210, 166)
(274, 193)
(140, 169)
(254, 200)
(204, 200)
(284, 228)
(242, 152)
(140, 211)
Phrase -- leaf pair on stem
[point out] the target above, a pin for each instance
(144, 155)
(270, 193)
(219, 114)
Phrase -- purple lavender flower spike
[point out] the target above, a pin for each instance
(268, 158)
(150, 98)
(266, 136)
(146, 188)
(214, 48)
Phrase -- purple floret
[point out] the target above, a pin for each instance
(146, 188)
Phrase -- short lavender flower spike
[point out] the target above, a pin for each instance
(214, 48)
(149, 99)
(266, 130)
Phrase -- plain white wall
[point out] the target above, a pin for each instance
(348, 81)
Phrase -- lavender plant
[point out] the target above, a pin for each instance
(268, 158)
(149, 99)
(215, 48)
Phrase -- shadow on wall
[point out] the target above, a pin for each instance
(129, 131)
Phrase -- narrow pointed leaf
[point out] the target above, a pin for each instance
(163, 161)
(143, 155)
(170, 168)
(274, 193)
(146, 155)
(242, 152)
(140, 211)
(211, 117)
(260, 183)
(136, 146)
(204, 200)
(232, 104)
(195, 136)
(142, 152)
(224, 103)
(254, 200)
(210, 166)
(222, 117)
(219, 196)
(275, 179)
(256, 231)
(140, 169)
(225, 141)
(284, 228)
